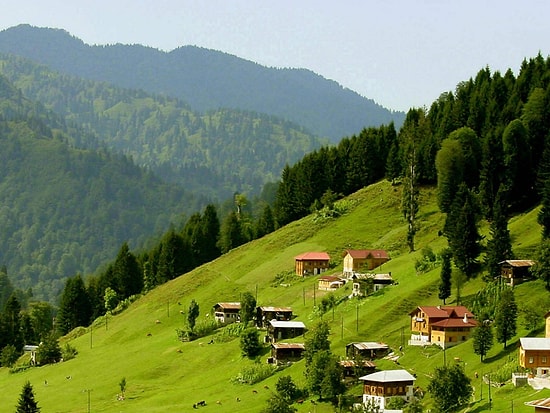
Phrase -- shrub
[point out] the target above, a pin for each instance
(68, 352)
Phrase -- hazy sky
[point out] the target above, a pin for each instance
(401, 53)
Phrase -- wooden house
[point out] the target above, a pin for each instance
(363, 260)
(286, 352)
(330, 282)
(353, 368)
(379, 386)
(265, 314)
(311, 263)
(367, 350)
(283, 330)
(540, 405)
(442, 325)
(514, 272)
(534, 354)
(227, 313)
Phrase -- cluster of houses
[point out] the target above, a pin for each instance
(443, 326)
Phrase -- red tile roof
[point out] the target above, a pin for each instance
(456, 311)
(313, 256)
(364, 254)
(455, 322)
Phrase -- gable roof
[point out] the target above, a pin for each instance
(518, 263)
(364, 254)
(540, 403)
(535, 343)
(228, 306)
(276, 309)
(389, 376)
(330, 278)
(369, 345)
(313, 256)
(294, 346)
(287, 324)
(455, 322)
(456, 311)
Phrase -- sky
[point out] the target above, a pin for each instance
(400, 53)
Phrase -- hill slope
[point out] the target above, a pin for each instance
(164, 374)
(65, 210)
(206, 79)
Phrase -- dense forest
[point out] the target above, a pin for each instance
(215, 154)
(205, 79)
(65, 210)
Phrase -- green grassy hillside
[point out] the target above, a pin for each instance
(166, 375)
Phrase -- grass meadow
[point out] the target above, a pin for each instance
(164, 374)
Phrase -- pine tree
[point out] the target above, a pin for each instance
(506, 317)
(482, 337)
(445, 277)
(26, 403)
(192, 314)
(231, 235)
(248, 307)
(543, 217)
(74, 308)
(127, 276)
(499, 247)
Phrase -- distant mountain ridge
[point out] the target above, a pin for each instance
(206, 79)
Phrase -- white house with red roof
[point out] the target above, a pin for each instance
(311, 263)
(442, 325)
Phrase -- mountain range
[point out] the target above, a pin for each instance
(206, 80)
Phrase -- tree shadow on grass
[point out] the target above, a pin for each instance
(480, 406)
(511, 347)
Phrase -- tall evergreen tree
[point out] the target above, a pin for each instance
(192, 314)
(74, 308)
(445, 277)
(265, 224)
(543, 186)
(506, 317)
(27, 403)
(499, 247)
(482, 337)
(492, 172)
(248, 307)
(11, 318)
(449, 163)
(414, 130)
(462, 232)
(127, 275)
(210, 231)
(6, 287)
(231, 235)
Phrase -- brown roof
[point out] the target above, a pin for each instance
(279, 309)
(228, 306)
(540, 403)
(364, 254)
(456, 311)
(518, 263)
(455, 322)
(295, 346)
(313, 256)
(351, 363)
(330, 278)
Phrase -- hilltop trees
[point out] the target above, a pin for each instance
(74, 308)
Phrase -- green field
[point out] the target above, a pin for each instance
(166, 375)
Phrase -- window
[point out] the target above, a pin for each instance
(531, 360)
(543, 359)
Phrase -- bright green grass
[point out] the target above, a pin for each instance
(165, 375)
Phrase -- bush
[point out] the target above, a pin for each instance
(250, 343)
(68, 352)
(49, 351)
(254, 374)
(9, 355)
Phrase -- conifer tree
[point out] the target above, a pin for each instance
(499, 247)
(445, 277)
(506, 317)
(127, 276)
(74, 308)
(482, 337)
(27, 403)
(543, 217)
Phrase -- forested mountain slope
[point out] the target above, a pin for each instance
(206, 79)
(65, 210)
(216, 154)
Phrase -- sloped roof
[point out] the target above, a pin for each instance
(294, 346)
(228, 306)
(456, 311)
(369, 345)
(313, 256)
(535, 343)
(279, 309)
(330, 278)
(455, 322)
(364, 254)
(540, 403)
(287, 324)
(518, 263)
(389, 376)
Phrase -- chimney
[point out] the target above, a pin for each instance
(465, 320)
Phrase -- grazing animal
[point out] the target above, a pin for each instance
(218, 402)
(68, 377)
(157, 321)
(266, 387)
(238, 399)
(255, 391)
(149, 334)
